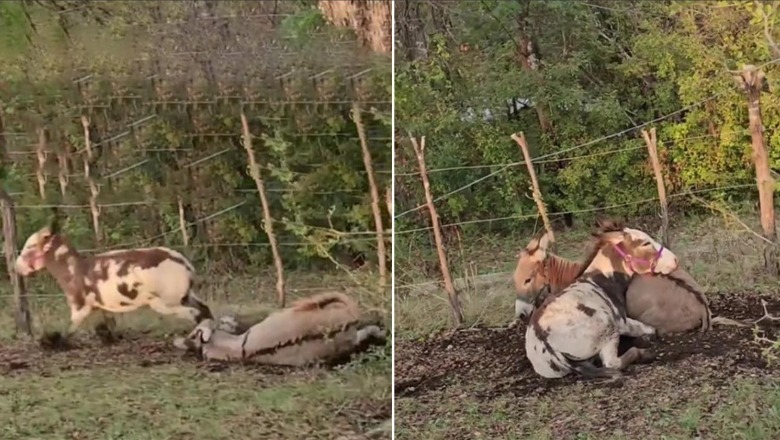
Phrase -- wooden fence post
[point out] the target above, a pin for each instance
(652, 148)
(22, 316)
(185, 237)
(457, 312)
(537, 194)
(93, 187)
(268, 223)
(40, 153)
(380, 232)
(751, 80)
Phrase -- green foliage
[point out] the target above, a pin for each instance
(164, 130)
(602, 71)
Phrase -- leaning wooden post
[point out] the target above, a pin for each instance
(380, 232)
(22, 308)
(185, 237)
(652, 148)
(457, 312)
(268, 224)
(40, 153)
(93, 187)
(751, 80)
(521, 142)
(22, 316)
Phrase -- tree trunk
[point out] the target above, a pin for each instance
(370, 19)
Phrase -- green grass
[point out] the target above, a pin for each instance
(72, 396)
(182, 401)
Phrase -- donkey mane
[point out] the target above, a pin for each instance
(562, 272)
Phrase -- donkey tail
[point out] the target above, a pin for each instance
(587, 369)
(722, 320)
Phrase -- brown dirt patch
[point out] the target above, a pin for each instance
(490, 364)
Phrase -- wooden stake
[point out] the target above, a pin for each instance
(521, 142)
(40, 153)
(380, 232)
(457, 312)
(93, 187)
(652, 148)
(185, 238)
(389, 201)
(62, 175)
(751, 80)
(22, 316)
(268, 226)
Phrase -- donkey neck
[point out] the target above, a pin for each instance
(561, 273)
(607, 271)
(65, 263)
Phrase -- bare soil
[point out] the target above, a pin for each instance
(487, 364)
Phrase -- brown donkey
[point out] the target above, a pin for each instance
(671, 303)
(586, 319)
(321, 328)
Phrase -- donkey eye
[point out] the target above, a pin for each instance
(527, 280)
(647, 243)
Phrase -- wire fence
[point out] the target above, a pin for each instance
(547, 157)
(164, 143)
(557, 156)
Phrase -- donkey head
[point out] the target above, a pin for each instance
(32, 258)
(630, 251)
(530, 276)
(198, 337)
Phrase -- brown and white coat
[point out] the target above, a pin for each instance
(118, 281)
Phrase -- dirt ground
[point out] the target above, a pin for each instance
(475, 374)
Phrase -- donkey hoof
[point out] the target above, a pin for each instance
(646, 356)
(56, 341)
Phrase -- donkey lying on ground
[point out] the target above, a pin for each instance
(671, 303)
(587, 318)
(118, 281)
(320, 328)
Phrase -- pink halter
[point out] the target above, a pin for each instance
(630, 259)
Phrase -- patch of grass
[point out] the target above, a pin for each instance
(175, 399)
(182, 401)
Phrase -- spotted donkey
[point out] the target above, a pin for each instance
(117, 281)
(586, 319)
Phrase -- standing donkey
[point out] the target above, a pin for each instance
(117, 281)
(671, 303)
(586, 319)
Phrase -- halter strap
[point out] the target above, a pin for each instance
(630, 259)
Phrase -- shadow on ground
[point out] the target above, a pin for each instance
(453, 376)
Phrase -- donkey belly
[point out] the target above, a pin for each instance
(112, 301)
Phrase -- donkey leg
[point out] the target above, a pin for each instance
(610, 359)
(106, 330)
(636, 329)
(77, 317)
(184, 312)
(371, 331)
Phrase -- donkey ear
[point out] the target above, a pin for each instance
(544, 241)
